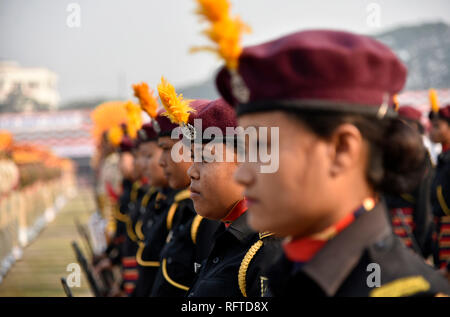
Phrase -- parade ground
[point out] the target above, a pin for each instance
(45, 260)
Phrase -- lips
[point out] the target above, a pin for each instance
(194, 193)
(250, 200)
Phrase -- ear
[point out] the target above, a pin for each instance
(346, 147)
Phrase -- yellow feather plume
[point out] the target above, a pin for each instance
(107, 115)
(177, 108)
(212, 10)
(434, 101)
(147, 100)
(115, 135)
(225, 31)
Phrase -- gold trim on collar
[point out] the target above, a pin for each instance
(265, 234)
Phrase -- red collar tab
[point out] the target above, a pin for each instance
(304, 249)
(239, 208)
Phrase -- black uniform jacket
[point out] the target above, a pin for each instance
(152, 230)
(440, 188)
(189, 242)
(440, 201)
(353, 263)
(237, 261)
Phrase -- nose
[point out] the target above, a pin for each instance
(193, 172)
(244, 175)
(162, 160)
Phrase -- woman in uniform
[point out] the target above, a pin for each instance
(239, 256)
(340, 145)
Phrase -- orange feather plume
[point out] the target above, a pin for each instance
(177, 108)
(434, 101)
(147, 100)
(225, 31)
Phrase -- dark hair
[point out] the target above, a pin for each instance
(437, 116)
(397, 156)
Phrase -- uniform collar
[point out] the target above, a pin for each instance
(444, 157)
(239, 228)
(238, 209)
(334, 262)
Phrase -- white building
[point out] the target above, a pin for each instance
(33, 86)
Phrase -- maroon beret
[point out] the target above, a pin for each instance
(444, 112)
(410, 113)
(318, 69)
(126, 145)
(146, 133)
(216, 113)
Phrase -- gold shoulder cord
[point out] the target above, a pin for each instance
(140, 235)
(242, 275)
(134, 190)
(133, 196)
(194, 227)
(130, 232)
(138, 230)
(144, 203)
(118, 215)
(139, 259)
(441, 200)
(169, 280)
(185, 194)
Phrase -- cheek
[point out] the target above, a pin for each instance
(286, 195)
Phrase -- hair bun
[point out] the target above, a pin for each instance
(404, 158)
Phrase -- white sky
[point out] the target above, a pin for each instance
(121, 42)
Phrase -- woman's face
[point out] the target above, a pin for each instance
(127, 165)
(295, 200)
(153, 171)
(213, 188)
(440, 131)
(175, 172)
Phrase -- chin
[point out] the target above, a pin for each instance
(174, 184)
(255, 222)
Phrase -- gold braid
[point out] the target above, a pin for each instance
(185, 194)
(242, 275)
(194, 227)
(139, 259)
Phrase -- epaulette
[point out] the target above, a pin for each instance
(406, 286)
(242, 275)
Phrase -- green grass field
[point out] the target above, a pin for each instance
(45, 260)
